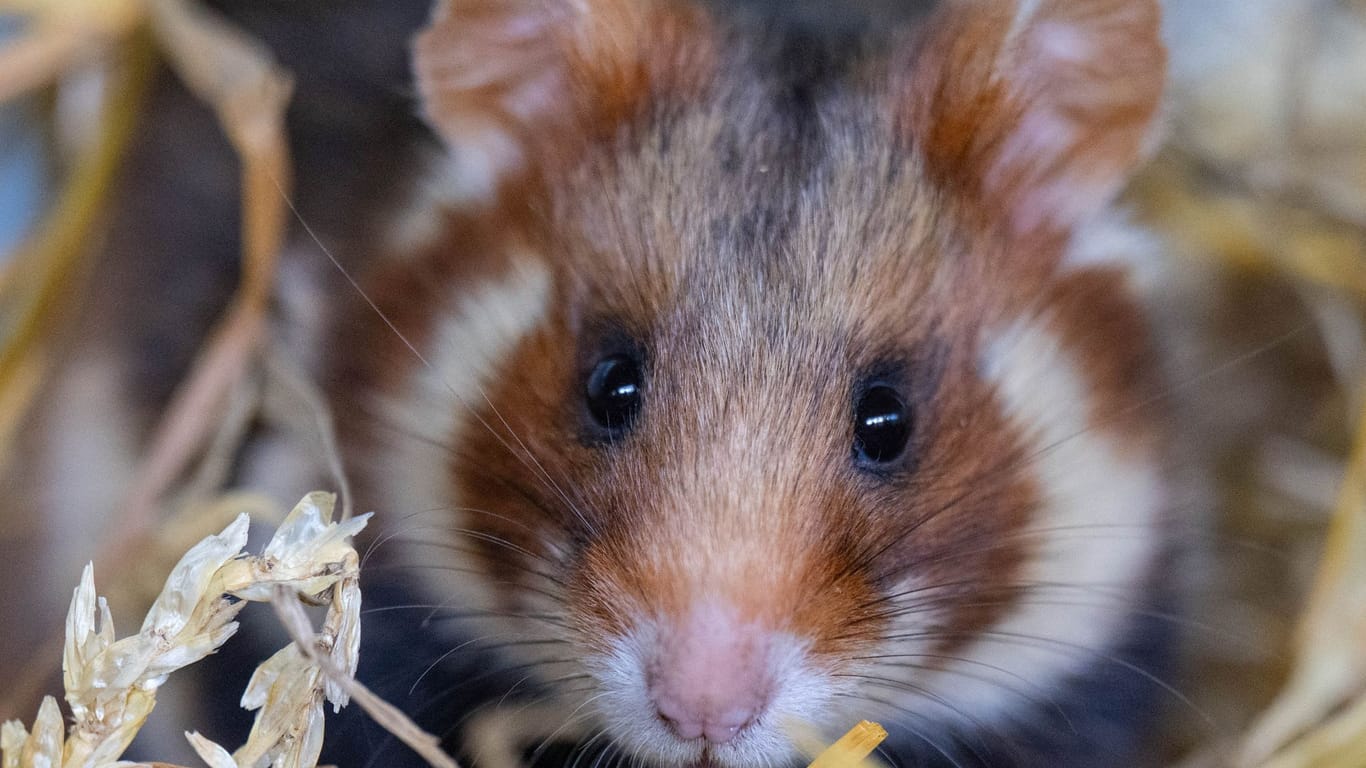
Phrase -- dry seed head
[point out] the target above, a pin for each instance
(212, 754)
(111, 684)
(45, 743)
(308, 552)
(287, 691)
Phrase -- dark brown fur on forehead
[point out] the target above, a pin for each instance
(743, 203)
(785, 178)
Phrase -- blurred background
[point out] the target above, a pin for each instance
(158, 309)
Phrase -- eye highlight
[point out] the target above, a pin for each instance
(882, 426)
(613, 393)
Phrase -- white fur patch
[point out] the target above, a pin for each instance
(474, 333)
(454, 180)
(1093, 538)
(1111, 239)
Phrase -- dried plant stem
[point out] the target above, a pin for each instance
(293, 399)
(38, 58)
(239, 78)
(111, 684)
(295, 621)
(190, 419)
(1330, 666)
(1338, 743)
(1253, 227)
(31, 296)
(853, 747)
(60, 36)
(21, 387)
(42, 272)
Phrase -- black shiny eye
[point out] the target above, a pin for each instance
(882, 426)
(613, 392)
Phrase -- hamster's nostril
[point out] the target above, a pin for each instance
(683, 725)
(717, 728)
(730, 723)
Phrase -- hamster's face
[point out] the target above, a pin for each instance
(780, 402)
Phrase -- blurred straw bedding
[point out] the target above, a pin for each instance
(1259, 191)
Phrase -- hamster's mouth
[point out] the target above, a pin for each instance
(706, 760)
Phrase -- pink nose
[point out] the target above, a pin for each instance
(711, 674)
(717, 724)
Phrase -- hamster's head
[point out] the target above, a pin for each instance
(773, 381)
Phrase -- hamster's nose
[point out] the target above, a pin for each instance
(710, 677)
(717, 726)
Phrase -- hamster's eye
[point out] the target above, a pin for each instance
(882, 426)
(613, 392)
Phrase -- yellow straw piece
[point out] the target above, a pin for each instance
(852, 747)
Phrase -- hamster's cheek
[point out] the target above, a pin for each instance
(1092, 538)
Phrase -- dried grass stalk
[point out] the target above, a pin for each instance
(37, 282)
(852, 750)
(238, 77)
(60, 36)
(853, 747)
(1330, 659)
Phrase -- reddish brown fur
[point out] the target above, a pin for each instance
(766, 267)
(1107, 332)
(405, 288)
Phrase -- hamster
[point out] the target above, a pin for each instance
(728, 378)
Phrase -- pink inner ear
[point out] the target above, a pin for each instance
(522, 83)
(1063, 43)
(484, 68)
(1058, 106)
(1040, 134)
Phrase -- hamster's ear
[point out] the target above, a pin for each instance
(1038, 109)
(525, 81)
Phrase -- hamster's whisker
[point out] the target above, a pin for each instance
(401, 525)
(574, 715)
(607, 750)
(462, 613)
(1039, 696)
(443, 567)
(863, 560)
(527, 460)
(554, 589)
(539, 467)
(1057, 645)
(1018, 594)
(509, 483)
(476, 535)
(581, 750)
(885, 752)
(403, 536)
(928, 695)
(513, 669)
(437, 661)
